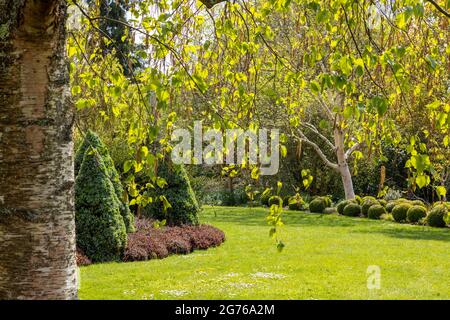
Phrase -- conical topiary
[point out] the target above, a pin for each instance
(178, 192)
(93, 140)
(100, 228)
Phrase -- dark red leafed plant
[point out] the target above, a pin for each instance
(156, 243)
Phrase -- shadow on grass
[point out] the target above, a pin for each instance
(257, 217)
(411, 232)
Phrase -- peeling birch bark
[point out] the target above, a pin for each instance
(37, 219)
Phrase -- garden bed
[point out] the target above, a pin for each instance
(149, 242)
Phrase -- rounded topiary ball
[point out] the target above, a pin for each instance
(376, 211)
(415, 213)
(400, 211)
(275, 200)
(352, 210)
(341, 205)
(369, 198)
(318, 205)
(390, 206)
(437, 215)
(367, 204)
(418, 203)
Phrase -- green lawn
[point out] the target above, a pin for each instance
(326, 257)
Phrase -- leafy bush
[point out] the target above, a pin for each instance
(415, 213)
(327, 200)
(400, 211)
(341, 205)
(296, 202)
(145, 246)
(368, 202)
(178, 192)
(437, 215)
(234, 198)
(100, 228)
(390, 206)
(151, 243)
(317, 205)
(92, 140)
(376, 211)
(358, 200)
(393, 194)
(352, 210)
(383, 202)
(275, 200)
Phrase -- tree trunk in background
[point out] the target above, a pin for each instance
(37, 219)
(343, 167)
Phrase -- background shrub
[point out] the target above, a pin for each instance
(327, 200)
(317, 205)
(100, 228)
(296, 202)
(92, 140)
(341, 205)
(157, 243)
(376, 211)
(400, 211)
(418, 203)
(436, 217)
(179, 194)
(275, 200)
(390, 205)
(145, 246)
(352, 210)
(367, 203)
(415, 213)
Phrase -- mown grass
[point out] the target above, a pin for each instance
(326, 257)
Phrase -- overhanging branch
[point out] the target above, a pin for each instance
(439, 8)
(317, 149)
(211, 3)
